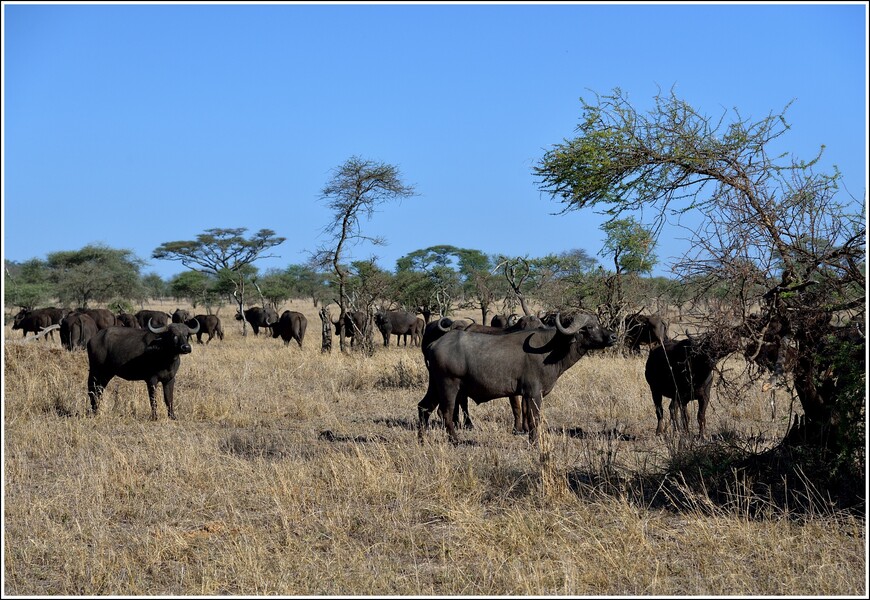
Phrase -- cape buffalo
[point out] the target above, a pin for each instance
(76, 329)
(126, 320)
(101, 316)
(258, 317)
(209, 324)
(644, 329)
(151, 355)
(503, 320)
(157, 317)
(683, 371)
(436, 329)
(33, 320)
(354, 321)
(522, 363)
(291, 326)
(395, 322)
(181, 316)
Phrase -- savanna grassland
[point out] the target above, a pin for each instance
(291, 472)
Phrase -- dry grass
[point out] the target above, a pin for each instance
(295, 473)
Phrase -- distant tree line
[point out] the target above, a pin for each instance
(440, 279)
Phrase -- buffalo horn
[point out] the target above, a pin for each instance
(444, 324)
(152, 329)
(192, 330)
(579, 321)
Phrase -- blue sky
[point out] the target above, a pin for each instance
(138, 124)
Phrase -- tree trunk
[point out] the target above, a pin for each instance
(326, 330)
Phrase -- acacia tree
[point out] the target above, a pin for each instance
(221, 251)
(356, 189)
(96, 273)
(774, 233)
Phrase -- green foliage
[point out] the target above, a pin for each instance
(764, 216)
(155, 287)
(195, 287)
(630, 245)
(28, 284)
(95, 273)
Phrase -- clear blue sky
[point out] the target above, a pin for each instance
(135, 125)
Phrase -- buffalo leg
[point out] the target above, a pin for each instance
(449, 397)
(152, 393)
(96, 385)
(462, 403)
(662, 425)
(520, 424)
(424, 410)
(168, 393)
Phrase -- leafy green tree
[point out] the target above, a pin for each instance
(630, 246)
(196, 287)
(308, 282)
(28, 284)
(224, 253)
(356, 189)
(454, 275)
(154, 286)
(96, 273)
(564, 281)
(768, 221)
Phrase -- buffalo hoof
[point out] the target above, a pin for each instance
(519, 432)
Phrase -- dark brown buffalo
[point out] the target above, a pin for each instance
(683, 371)
(126, 320)
(396, 322)
(436, 329)
(503, 320)
(644, 329)
(76, 329)
(209, 324)
(291, 326)
(523, 363)
(181, 316)
(258, 317)
(33, 321)
(151, 355)
(102, 317)
(354, 324)
(157, 317)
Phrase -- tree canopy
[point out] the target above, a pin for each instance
(774, 232)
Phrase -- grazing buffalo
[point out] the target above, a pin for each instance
(395, 322)
(33, 321)
(258, 317)
(208, 324)
(76, 330)
(522, 363)
(291, 326)
(157, 317)
(683, 371)
(354, 323)
(436, 329)
(644, 329)
(503, 320)
(126, 320)
(151, 355)
(181, 316)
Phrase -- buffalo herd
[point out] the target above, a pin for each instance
(519, 358)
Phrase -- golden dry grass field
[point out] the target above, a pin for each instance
(291, 472)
